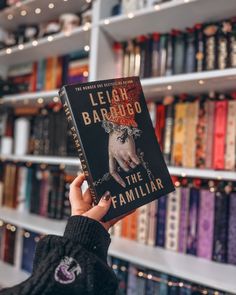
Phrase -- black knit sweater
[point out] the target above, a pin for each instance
(73, 264)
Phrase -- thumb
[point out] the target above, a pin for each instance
(100, 210)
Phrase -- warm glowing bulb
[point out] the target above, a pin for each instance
(130, 15)
(8, 51)
(106, 21)
(20, 46)
(35, 43)
(40, 100)
(149, 276)
(201, 82)
(10, 16)
(27, 234)
(50, 38)
(85, 73)
(56, 99)
(86, 48)
(23, 12)
(51, 5)
(37, 11)
(157, 7)
(169, 87)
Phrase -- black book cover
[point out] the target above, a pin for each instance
(117, 146)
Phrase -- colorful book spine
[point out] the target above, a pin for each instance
(206, 224)
(219, 134)
(168, 132)
(161, 221)
(230, 154)
(132, 280)
(160, 123)
(232, 230)
(172, 220)
(221, 227)
(210, 122)
(142, 226)
(152, 228)
(193, 221)
(183, 223)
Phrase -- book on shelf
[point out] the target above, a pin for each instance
(126, 160)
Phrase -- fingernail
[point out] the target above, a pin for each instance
(133, 165)
(106, 196)
(123, 184)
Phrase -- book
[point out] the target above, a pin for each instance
(127, 160)
(232, 229)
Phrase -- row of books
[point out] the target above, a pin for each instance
(195, 219)
(201, 48)
(48, 74)
(197, 131)
(38, 189)
(137, 280)
(129, 6)
(37, 131)
(132, 279)
(17, 246)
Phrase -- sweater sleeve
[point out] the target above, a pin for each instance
(72, 264)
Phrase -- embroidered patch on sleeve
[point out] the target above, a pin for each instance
(67, 271)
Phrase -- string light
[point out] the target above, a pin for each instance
(50, 38)
(10, 16)
(56, 99)
(26, 235)
(37, 11)
(183, 174)
(23, 12)
(88, 1)
(186, 1)
(35, 43)
(169, 87)
(85, 73)
(86, 48)
(1, 223)
(40, 100)
(51, 5)
(13, 228)
(201, 82)
(20, 46)
(106, 21)
(157, 7)
(8, 51)
(130, 15)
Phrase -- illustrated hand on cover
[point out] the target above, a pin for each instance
(122, 151)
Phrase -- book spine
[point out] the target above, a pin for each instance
(221, 227)
(152, 223)
(183, 225)
(219, 135)
(172, 220)
(142, 224)
(193, 221)
(168, 132)
(210, 114)
(132, 280)
(189, 156)
(133, 225)
(78, 143)
(161, 221)
(206, 224)
(232, 230)
(230, 154)
(160, 123)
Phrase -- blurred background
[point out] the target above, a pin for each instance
(185, 54)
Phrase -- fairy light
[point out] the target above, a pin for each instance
(56, 99)
(170, 284)
(13, 228)
(183, 174)
(169, 87)
(114, 266)
(140, 274)
(51, 5)
(10, 16)
(212, 189)
(37, 10)
(86, 48)
(1, 223)
(20, 46)
(35, 43)
(177, 183)
(149, 276)
(201, 82)
(123, 268)
(50, 38)
(88, 1)
(106, 21)
(40, 100)
(157, 7)
(26, 235)
(23, 12)
(186, 1)
(181, 284)
(8, 226)
(130, 15)
(85, 73)
(8, 51)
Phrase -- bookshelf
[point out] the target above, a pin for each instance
(208, 273)
(162, 17)
(177, 171)
(104, 30)
(59, 8)
(203, 82)
(10, 275)
(44, 47)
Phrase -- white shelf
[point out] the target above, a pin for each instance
(10, 275)
(61, 44)
(203, 173)
(198, 270)
(174, 14)
(32, 222)
(29, 97)
(177, 171)
(30, 6)
(43, 159)
(217, 80)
